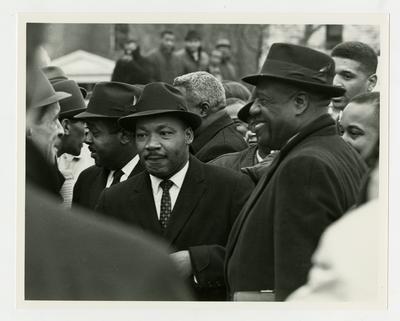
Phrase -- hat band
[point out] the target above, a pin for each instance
(289, 70)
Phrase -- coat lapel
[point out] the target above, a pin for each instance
(98, 185)
(191, 192)
(142, 204)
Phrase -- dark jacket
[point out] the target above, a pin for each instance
(220, 137)
(134, 70)
(189, 64)
(313, 181)
(165, 66)
(200, 222)
(91, 183)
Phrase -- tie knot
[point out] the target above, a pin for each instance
(166, 184)
(118, 174)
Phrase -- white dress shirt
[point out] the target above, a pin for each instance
(71, 166)
(127, 169)
(177, 181)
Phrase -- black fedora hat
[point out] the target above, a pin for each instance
(42, 93)
(306, 67)
(55, 74)
(111, 100)
(161, 99)
(73, 105)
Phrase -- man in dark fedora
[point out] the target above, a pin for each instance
(178, 198)
(74, 257)
(112, 147)
(71, 159)
(313, 181)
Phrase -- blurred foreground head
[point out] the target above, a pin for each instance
(42, 125)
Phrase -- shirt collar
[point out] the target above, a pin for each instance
(177, 178)
(128, 168)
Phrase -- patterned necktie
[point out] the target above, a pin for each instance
(117, 177)
(165, 208)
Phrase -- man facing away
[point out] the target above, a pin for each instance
(355, 71)
(112, 147)
(217, 134)
(189, 204)
(314, 180)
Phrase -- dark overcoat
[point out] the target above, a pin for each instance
(314, 180)
(220, 137)
(207, 205)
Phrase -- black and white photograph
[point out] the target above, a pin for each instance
(220, 162)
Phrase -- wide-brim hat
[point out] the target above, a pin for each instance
(72, 105)
(42, 92)
(302, 66)
(55, 74)
(161, 99)
(111, 100)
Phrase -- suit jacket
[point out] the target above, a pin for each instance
(91, 183)
(207, 205)
(73, 256)
(313, 181)
(220, 137)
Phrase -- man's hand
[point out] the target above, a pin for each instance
(182, 261)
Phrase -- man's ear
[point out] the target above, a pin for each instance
(66, 124)
(204, 109)
(301, 102)
(189, 136)
(125, 136)
(371, 82)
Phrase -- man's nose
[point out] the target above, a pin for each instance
(88, 137)
(152, 142)
(254, 108)
(337, 81)
(60, 129)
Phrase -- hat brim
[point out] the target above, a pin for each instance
(71, 113)
(86, 115)
(243, 113)
(193, 120)
(59, 95)
(329, 91)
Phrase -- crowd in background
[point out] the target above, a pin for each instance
(165, 63)
(191, 187)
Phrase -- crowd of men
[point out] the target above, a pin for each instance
(200, 190)
(165, 63)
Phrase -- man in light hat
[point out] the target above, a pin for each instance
(43, 133)
(112, 147)
(178, 198)
(313, 181)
